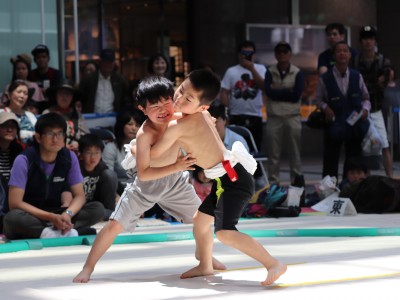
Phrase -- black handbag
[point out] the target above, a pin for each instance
(316, 119)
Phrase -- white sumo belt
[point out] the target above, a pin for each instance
(238, 154)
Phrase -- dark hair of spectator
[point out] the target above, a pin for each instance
(16, 62)
(15, 84)
(218, 111)
(340, 43)
(90, 140)
(50, 120)
(338, 26)
(246, 44)
(124, 118)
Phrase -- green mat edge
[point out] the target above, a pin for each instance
(37, 244)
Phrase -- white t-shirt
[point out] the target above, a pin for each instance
(245, 97)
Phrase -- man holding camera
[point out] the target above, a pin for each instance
(241, 92)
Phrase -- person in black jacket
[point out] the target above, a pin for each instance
(9, 149)
(99, 182)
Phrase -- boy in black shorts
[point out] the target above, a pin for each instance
(231, 171)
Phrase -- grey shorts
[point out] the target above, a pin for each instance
(173, 193)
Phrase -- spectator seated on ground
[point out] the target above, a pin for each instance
(99, 182)
(38, 179)
(9, 149)
(370, 193)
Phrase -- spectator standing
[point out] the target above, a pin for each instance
(241, 92)
(9, 149)
(284, 84)
(44, 75)
(340, 92)
(63, 100)
(99, 182)
(105, 90)
(18, 94)
(38, 212)
(335, 32)
(392, 100)
(375, 69)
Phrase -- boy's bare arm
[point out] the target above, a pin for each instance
(146, 172)
(170, 136)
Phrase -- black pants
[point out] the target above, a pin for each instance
(19, 224)
(331, 154)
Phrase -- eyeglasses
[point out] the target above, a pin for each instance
(51, 134)
(87, 153)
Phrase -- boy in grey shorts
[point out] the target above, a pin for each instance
(161, 180)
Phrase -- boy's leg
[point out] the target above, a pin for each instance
(204, 245)
(103, 241)
(255, 250)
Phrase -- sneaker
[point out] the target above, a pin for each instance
(49, 233)
(71, 233)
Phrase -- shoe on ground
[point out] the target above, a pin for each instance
(49, 233)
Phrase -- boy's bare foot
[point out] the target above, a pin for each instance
(83, 276)
(274, 272)
(196, 272)
(217, 265)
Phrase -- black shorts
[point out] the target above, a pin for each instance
(235, 196)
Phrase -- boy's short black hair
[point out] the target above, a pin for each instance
(218, 111)
(338, 26)
(50, 120)
(246, 44)
(152, 89)
(206, 82)
(90, 140)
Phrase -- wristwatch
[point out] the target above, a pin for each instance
(69, 212)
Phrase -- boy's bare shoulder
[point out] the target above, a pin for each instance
(146, 133)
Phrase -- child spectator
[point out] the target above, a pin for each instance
(99, 182)
(9, 149)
